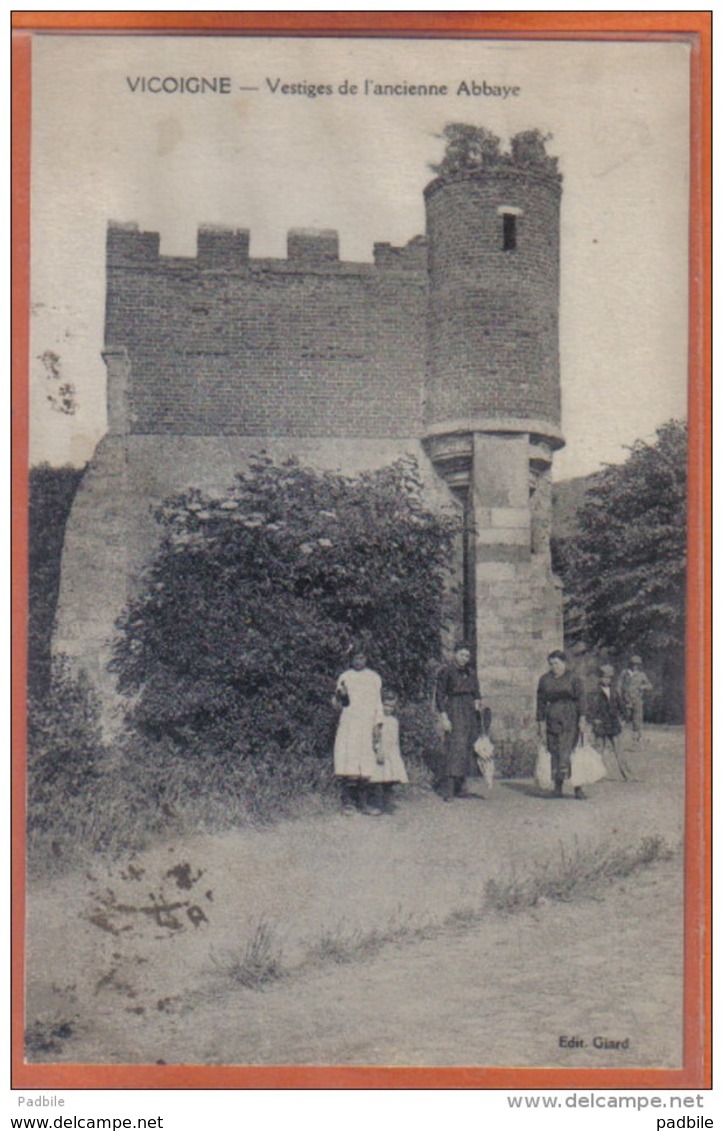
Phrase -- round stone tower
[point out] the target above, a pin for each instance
(492, 404)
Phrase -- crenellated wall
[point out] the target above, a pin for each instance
(225, 344)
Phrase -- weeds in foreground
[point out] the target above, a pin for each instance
(573, 872)
(135, 800)
(259, 963)
(342, 944)
(336, 945)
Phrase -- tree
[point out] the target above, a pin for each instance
(624, 570)
(232, 647)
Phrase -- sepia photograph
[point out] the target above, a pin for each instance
(357, 521)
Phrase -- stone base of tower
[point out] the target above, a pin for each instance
(518, 604)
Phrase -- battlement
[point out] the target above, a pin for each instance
(309, 245)
(126, 245)
(514, 174)
(411, 257)
(221, 343)
(222, 248)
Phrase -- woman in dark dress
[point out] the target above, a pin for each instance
(459, 703)
(560, 717)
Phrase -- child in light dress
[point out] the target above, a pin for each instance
(390, 769)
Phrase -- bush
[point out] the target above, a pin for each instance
(76, 800)
(214, 793)
(83, 798)
(65, 746)
(231, 649)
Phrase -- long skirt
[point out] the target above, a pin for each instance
(459, 742)
(563, 725)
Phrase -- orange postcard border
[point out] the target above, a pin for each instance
(697, 28)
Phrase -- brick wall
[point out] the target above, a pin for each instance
(307, 346)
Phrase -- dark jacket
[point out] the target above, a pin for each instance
(457, 691)
(606, 712)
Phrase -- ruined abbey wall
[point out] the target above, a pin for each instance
(445, 349)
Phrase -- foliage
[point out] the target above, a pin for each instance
(81, 797)
(51, 493)
(467, 148)
(246, 614)
(421, 741)
(527, 149)
(625, 568)
(471, 149)
(65, 747)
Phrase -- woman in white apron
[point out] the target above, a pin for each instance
(359, 696)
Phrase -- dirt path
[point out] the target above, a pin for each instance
(500, 994)
(144, 972)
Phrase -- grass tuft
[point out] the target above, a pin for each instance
(258, 964)
(336, 945)
(574, 872)
(342, 944)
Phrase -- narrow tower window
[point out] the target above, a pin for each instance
(510, 215)
(509, 231)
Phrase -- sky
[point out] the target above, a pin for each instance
(259, 158)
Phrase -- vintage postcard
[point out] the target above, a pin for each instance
(358, 382)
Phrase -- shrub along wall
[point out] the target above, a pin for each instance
(231, 650)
